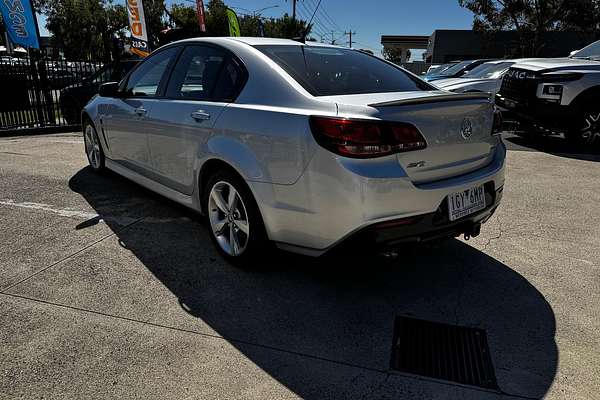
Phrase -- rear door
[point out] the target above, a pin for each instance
(203, 81)
(127, 121)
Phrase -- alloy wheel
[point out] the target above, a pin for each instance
(228, 218)
(92, 147)
(590, 131)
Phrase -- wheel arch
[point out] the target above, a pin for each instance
(586, 95)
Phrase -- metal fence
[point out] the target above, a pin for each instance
(31, 98)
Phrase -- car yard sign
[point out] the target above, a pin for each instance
(137, 26)
(20, 22)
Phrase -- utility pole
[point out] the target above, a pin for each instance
(294, 10)
(350, 37)
(332, 39)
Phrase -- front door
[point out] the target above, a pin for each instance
(126, 121)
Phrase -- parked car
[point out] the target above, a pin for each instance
(303, 145)
(486, 77)
(74, 97)
(550, 95)
(438, 68)
(455, 70)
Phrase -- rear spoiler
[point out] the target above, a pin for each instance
(434, 99)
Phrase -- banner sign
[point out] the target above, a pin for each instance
(20, 22)
(137, 26)
(234, 26)
(200, 12)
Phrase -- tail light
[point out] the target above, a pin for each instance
(357, 138)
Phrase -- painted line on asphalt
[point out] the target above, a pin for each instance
(73, 213)
(63, 212)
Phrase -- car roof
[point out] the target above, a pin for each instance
(255, 41)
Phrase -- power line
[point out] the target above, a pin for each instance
(315, 27)
(316, 23)
(316, 19)
(327, 17)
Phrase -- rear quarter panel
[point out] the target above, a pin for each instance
(264, 143)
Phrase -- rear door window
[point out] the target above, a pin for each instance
(204, 73)
(327, 71)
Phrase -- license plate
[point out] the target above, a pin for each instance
(466, 202)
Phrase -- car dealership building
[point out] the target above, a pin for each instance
(445, 45)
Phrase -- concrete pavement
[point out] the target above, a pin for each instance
(110, 291)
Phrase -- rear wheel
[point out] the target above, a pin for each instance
(236, 226)
(93, 148)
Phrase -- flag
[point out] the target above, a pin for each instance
(20, 22)
(200, 12)
(137, 26)
(234, 26)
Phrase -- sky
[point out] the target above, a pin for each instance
(369, 20)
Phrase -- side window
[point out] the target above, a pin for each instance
(145, 80)
(196, 73)
(229, 82)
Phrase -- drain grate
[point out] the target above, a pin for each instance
(441, 351)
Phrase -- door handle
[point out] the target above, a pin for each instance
(200, 115)
(140, 111)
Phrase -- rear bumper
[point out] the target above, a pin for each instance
(331, 203)
(430, 226)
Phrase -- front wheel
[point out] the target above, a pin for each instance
(93, 148)
(587, 128)
(236, 226)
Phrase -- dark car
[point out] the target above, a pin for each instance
(74, 97)
(455, 71)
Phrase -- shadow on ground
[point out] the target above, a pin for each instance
(338, 309)
(553, 145)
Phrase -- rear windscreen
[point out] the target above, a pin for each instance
(328, 71)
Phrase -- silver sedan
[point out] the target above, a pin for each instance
(301, 145)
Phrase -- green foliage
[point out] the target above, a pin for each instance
(82, 28)
(532, 18)
(184, 16)
(394, 54)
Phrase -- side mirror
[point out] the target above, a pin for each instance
(110, 89)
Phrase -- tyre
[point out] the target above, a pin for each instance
(93, 148)
(586, 131)
(236, 226)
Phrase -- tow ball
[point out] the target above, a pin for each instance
(473, 231)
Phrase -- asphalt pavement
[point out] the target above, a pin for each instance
(110, 291)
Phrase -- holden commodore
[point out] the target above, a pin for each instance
(301, 145)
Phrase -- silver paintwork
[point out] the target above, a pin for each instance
(309, 198)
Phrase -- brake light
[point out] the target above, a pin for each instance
(358, 138)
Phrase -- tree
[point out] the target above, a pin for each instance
(394, 54)
(84, 28)
(184, 17)
(532, 18)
